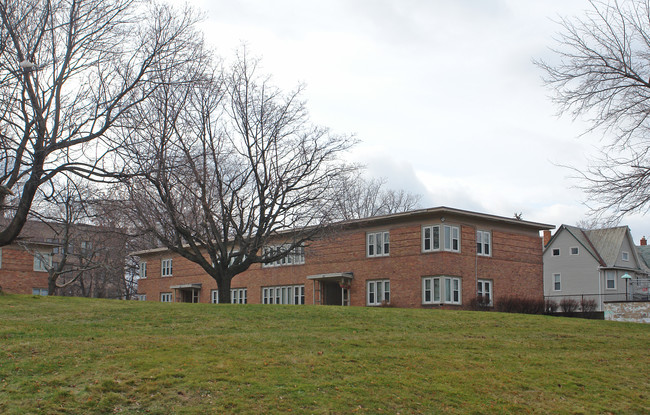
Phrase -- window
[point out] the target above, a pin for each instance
(285, 294)
(574, 250)
(557, 282)
(86, 247)
(441, 290)
(39, 291)
(143, 270)
(556, 251)
(165, 297)
(484, 291)
(55, 250)
(294, 257)
(0, 257)
(625, 256)
(378, 292)
(431, 238)
(483, 243)
(610, 280)
(450, 238)
(378, 244)
(237, 296)
(42, 261)
(142, 297)
(166, 267)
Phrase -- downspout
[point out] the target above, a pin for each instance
(600, 295)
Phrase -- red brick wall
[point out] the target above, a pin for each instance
(17, 275)
(515, 266)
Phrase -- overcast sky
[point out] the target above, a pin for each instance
(442, 94)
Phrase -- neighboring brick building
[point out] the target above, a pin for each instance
(425, 258)
(95, 255)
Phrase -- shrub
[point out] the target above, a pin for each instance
(588, 305)
(550, 306)
(569, 305)
(520, 305)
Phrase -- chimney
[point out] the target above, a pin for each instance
(644, 241)
(547, 237)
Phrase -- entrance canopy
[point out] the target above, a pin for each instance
(186, 286)
(334, 277)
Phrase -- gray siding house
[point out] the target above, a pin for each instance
(589, 264)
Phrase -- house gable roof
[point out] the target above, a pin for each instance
(603, 244)
(579, 235)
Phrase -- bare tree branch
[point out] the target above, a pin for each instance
(227, 165)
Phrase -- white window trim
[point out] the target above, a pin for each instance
(385, 293)
(482, 235)
(625, 256)
(443, 282)
(481, 292)
(443, 242)
(39, 291)
(143, 270)
(42, 260)
(613, 279)
(571, 250)
(284, 294)
(166, 270)
(237, 296)
(294, 257)
(559, 280)
(430, 229)
(166, 298)
(377, 247)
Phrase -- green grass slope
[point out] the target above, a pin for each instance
(72, 355)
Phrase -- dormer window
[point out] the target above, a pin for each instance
(625, 256)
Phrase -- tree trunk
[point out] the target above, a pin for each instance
(223, 284)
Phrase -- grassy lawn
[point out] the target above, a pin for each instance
(72, 355)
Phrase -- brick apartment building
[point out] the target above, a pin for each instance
(425, 258)
(25, 264)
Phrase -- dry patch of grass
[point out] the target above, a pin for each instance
(71, 355)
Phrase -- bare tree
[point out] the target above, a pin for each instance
(603, 73)
(69, 70)
(230, 165)
(356, 197)
(88, 253)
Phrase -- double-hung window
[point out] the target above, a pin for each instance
(143, 270)
(440, 237)
(42, 261)
(378, 244)
(451, 238)
(237, 296)
(610, 280)
(441, 290)
(284, 294)
(557, 282)
(484, 291)
(295, 256)
(431, 238)
(483, 243)
(166, 267)
(377, 292)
